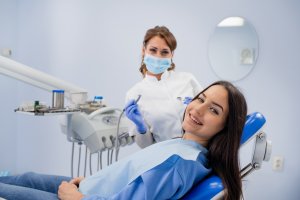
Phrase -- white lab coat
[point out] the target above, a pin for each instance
(162, 105)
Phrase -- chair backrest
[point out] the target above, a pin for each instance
(212, 187)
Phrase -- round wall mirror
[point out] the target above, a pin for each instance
(233, 48)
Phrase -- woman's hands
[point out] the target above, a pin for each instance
(69, 190)
(76, 180)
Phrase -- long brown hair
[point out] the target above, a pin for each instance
(223, 148)
(164, 33)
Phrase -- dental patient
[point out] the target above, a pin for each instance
(212, 128)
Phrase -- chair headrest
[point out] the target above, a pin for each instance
(254, 122)
(212, 185)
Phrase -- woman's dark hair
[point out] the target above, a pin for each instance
(164, 33)
(223, 148)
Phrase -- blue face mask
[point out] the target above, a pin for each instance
(157, 65)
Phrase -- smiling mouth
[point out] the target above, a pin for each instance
(195, 120)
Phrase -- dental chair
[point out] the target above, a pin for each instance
(211, 187)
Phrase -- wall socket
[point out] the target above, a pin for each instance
(278, 163)
(6, 52)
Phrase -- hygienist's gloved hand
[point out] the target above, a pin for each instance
(133, 113)
(187, 100)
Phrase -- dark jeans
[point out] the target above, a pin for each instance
(30, 186)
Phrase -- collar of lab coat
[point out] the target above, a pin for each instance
(164, 76)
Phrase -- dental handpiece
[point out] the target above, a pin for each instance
(137, 100)
(139, 97)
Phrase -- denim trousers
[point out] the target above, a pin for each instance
(30, 186)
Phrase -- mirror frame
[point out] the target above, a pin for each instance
(233, 48)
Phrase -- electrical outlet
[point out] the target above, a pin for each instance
(6, 52)
(278, 163)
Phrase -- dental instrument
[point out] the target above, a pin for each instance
(118, 127)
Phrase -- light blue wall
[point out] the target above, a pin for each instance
(96, 45)
(8, 88)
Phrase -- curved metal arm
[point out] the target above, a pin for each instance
(262, 152)
(24, 73)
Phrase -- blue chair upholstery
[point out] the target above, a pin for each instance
(212, 185)
(254, 122)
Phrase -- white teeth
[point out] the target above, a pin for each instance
(195, 120)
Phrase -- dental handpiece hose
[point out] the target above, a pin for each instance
(117, 138)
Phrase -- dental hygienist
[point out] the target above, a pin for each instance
(164, 92)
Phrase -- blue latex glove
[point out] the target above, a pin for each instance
(187, 100)
(133, 113)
